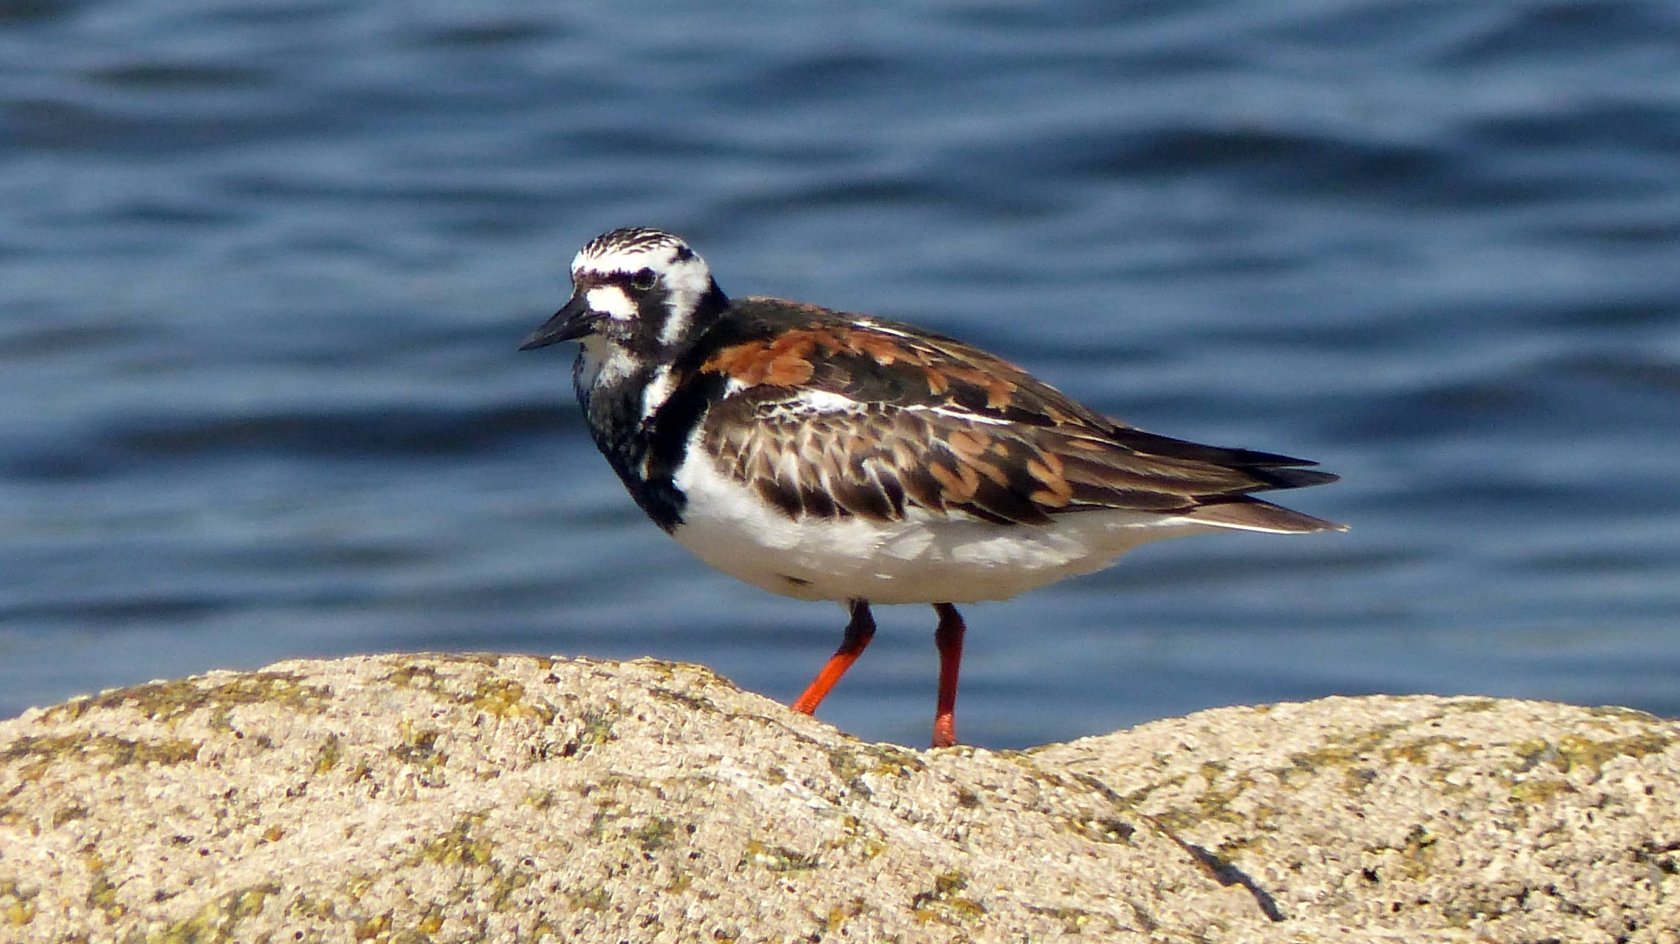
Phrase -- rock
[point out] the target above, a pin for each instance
(507, 798)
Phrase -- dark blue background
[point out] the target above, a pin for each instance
(263, 267)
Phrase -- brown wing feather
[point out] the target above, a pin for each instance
(873, 462)
(939, 425)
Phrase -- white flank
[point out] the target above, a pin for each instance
(926, 559)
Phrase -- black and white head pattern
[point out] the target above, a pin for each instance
(653, 294)
(647, 281)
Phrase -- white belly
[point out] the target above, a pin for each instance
(928, 558)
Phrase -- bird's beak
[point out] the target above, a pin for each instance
(568, 324)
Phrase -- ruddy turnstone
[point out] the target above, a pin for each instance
(832, 456)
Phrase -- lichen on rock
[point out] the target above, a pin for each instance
(410, 798)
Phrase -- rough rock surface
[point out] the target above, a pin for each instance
(484, 798)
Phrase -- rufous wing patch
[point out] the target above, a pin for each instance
(783, 361)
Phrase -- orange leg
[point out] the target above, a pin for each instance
(949, 638)
(859, 631)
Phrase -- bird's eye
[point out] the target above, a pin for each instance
(643, 279)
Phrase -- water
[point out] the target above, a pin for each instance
(263, 268)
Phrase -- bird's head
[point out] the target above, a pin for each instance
(642, 290)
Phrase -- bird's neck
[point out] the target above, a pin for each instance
(622, 392)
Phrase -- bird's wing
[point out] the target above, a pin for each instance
(847, 416)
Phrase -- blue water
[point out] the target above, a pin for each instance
(263, 267)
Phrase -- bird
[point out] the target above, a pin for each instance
(825, 455)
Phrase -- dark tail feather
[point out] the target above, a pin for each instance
(1275, 470)
(1292, 478)
(1252, 514)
